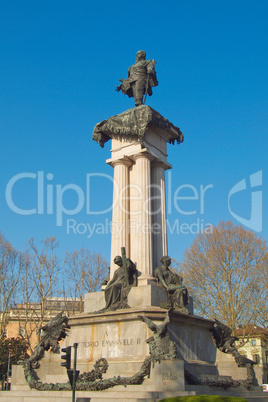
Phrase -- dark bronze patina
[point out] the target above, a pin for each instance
(224, 341)
(160, 344)
(178, 294)
(118, 288)
(53, 333)
(135, 122)
(141, 78)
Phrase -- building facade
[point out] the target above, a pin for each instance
(26, 320)
(253, 343)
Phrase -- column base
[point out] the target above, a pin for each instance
(145, 280)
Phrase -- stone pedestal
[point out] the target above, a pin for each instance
(140, 296)
(120, 337)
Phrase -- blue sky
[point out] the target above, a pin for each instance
(60, 64)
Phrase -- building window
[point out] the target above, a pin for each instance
(253, 342)
(21, 331)
(256, 358)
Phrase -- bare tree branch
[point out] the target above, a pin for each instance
(11, 263)
(226, 272)
(85, 271)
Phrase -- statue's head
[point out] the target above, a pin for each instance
(118, 260)
(141, 55)
(166, 260)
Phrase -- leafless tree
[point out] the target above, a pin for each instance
(11, 263)
(85, 271)
(27, 311)
(262, 308)
(38, 284)
(226, 273)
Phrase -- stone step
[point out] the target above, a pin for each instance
(126, 395)
(255, 393)
(111, 395)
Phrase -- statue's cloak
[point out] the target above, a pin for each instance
(134, 122)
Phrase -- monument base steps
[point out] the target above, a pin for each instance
(126, 395)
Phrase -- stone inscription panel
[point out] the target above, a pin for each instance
(115, 340)
(110, 343)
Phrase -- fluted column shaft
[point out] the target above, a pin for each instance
(120, 217)
(143, 218)
(159, 212)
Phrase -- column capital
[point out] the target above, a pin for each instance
(126, 161)
(158, 163)
(143, 154)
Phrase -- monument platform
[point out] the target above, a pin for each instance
(121, 337)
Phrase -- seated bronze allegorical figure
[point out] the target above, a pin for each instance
(178, 294)
(118, 287)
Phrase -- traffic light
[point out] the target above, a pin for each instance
(66, 357)
(71, 376)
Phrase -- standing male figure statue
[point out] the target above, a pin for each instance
(141, 78)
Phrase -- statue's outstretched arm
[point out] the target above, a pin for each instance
(119, 87)
(167, 317)
(150, 324)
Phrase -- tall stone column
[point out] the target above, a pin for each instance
(159, 212)
(142, 219)
(120, 218)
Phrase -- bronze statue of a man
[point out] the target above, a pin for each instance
(141, 78)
